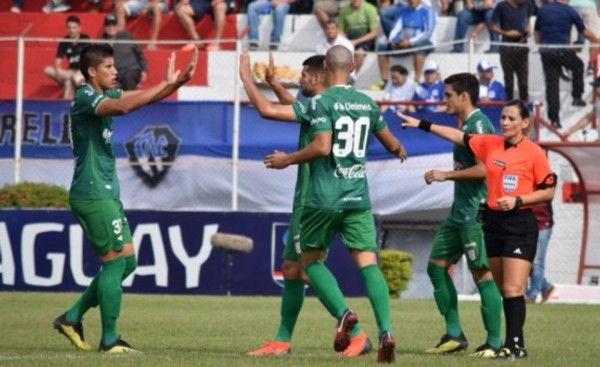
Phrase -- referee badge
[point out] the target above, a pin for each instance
(510, 182)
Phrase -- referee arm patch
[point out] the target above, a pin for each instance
(549, 181)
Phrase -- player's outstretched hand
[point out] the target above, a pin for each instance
(172, 75)
(408, 120)
(245, 65)
(191, 69)
(277, 160)
(270, 72)
(434, 175)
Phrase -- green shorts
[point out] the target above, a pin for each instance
(103, 222)
(292, 244)
(319, 226)
(451, 243)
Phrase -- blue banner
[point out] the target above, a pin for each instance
(45, 250)
(192, 128)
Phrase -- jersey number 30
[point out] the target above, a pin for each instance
(352, 136)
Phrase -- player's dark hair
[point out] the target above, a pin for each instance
(399, 69)
(315, 64)
(92, 56)
(73, 19)
(524, 111)
(464, 82)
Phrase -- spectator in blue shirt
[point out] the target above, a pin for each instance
(414, 27)
(475, 12)
(256, 8)
(553, 27)
(431, 90)
(489, 89)
(511, 20)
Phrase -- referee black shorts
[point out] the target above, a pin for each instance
(511, 234)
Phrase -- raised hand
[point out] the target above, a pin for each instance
(245, 65)
(191, 69)
(270, 72)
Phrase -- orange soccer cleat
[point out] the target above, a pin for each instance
(273, 349)
(359, 345)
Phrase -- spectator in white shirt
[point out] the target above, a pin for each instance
(334, 38)
(398, 89)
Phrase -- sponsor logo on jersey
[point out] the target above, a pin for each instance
(355, 172)
(301, 107)
(152, 152)
(107, 135)
(353, 198)
(318, 120)
(499, 163)
(510, 182)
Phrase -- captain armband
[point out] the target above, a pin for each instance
(549, 181)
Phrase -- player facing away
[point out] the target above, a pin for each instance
(342, 120)
(312, 83)
(94, 194)
(461, 233)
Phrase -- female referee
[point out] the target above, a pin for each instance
(518, 177)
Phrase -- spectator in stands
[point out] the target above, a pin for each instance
(56, 6)
(511, 20)
(280, 9)
(399, 88)
(553, 27)
(537, 280)
(326, 10)
(414, 28)
(17, 6)
(589, 117)
(588, 10)
(70, 78)
(431, 90)
(388, 9)
(359, 21)
(475, 12)
(489, 89)
(131, 64)
(140, 8)
(189, 12)
(332, 37)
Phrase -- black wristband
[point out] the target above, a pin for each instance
(425, 125)
(518, 202)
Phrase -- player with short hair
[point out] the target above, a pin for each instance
(312, 83)
(342, 121)
(94, 194)
(461, 233)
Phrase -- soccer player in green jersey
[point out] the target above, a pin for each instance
(312, 83)
(342, 121)
(461, 233)
(94, 193)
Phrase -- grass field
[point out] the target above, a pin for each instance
(217, 331)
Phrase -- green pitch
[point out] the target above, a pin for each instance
(217, 331)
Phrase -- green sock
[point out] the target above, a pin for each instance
(88, 299)
(325, 285)
(130, 265)
(292, 299)
(446, 298)
(110, 294)
(491, 311)
(379, 295)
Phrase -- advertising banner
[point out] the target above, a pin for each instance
(47, 251)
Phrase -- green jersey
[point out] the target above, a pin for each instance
(339, 181)
(95, 174)
(304, 138)
(357, 23)
(468, 194)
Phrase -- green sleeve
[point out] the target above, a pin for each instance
(373, 17)
(87, 100)
(320, 117)
(301, 110)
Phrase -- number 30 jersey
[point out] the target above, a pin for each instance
(339, 181)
